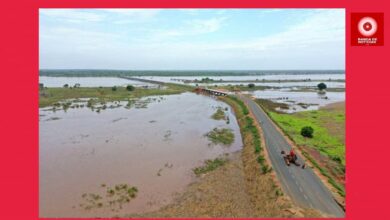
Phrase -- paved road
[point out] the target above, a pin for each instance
(302, 185)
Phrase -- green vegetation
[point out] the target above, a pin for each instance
(324, 141)
(307, 131)
(51, 96)
(219, 114)
(270, 105)
(204, 80)
(210, 165)
(130, 88)
(115, 197)
(250, 133)
(243, 109)
(251, 85)
(223, 136)
(321, 86)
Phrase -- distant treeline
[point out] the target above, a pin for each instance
(84, 73)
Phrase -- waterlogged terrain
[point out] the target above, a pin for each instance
(126, 158)
(54, 82)
(270, 80)
(286, 76)
(299, 101)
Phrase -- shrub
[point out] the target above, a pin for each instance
(265, 168)
(251, 85)
(114, 88)
(66, 86)
(130, 88)
(307, 131)
(321, 86)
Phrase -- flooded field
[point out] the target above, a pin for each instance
(85, 154)
(235, 80)
(291, 85)
(251, 77)
(300, 101)
(49, 81)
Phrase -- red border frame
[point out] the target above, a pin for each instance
(368, 186)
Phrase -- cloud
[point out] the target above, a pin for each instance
(114, 15)
(191, 28)
(72, 15)
(124, 16)
(315, 40)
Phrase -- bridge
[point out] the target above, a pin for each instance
(197, 89)
(211, 91)
(142, 80)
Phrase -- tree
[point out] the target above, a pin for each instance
(66, 86)
(114, 88)
(251, 85)
(77, 85)
(321, 86)
(307, 131)
(130, 88)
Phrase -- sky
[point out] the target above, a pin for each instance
(192, 39)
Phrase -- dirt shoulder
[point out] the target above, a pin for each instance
(338, 106)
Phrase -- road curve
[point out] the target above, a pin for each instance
(302, 185)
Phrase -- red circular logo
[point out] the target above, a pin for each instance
(367, 26)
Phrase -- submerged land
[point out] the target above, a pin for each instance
(228, 183)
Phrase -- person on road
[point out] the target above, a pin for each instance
(293, 155)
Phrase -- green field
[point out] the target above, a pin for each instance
(321, 121)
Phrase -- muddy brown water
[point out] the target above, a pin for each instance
(153, 148)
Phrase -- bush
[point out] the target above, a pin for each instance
(307, 131)
(130, 88)
(114, 88)
(251, 85)
(66, 86)
(321, 86)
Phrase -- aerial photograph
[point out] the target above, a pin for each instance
(197, 113)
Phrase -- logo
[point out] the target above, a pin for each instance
(367, 29)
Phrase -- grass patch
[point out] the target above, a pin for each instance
(249, 131)
(50, 96)
(114, 198)
(322, 139)
(219, 114)
(223, 136)
(209, 165)
(272, 106)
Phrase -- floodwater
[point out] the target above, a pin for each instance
(49, 81)
(292, 85)
(313, 100)
(153, 148)
(314, 80)
(251, 77)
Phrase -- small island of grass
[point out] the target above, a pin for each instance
(223, 136)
